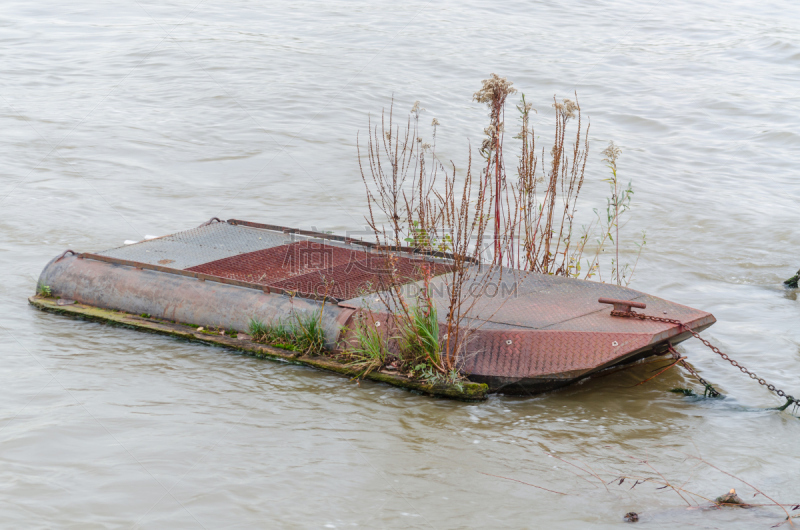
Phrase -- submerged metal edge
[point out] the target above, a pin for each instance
(469, 392)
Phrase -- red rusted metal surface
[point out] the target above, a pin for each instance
(529, 354)
(312, 268)
(533, 332)
(360, 277)
(265, 267)
(522, 361)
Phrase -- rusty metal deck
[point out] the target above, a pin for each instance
(527, 330)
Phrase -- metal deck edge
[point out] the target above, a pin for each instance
(347, 240)
(469, 391)
(204, 277)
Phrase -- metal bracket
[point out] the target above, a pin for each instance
(622, 305)
(65, 253)
(211, 221)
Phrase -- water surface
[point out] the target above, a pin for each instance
(121, 120)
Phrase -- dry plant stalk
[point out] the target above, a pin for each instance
(493, 93)
(417, 203)
(546, 221)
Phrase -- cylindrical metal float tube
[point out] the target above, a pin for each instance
(180, 298)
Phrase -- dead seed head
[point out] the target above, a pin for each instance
(494, 89)
(566, 108)
(417, 109)
(435, 122)
(492, 130)
(611, 153)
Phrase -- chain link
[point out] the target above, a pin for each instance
(633, 314)
(710, 391)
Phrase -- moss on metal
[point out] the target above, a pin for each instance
(468, 391)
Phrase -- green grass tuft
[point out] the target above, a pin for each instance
(308, 332)
(303, 332)
(371, 351)
(419, 337)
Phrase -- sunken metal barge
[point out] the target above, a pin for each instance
(543, 332)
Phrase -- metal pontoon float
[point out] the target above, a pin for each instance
(544, 332)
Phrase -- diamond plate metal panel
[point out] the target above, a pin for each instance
(358, 277)
(526, 354)
(317, 267)
(271, 265)
(200, 245)
(538, 301)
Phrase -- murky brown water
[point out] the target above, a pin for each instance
(127, 119)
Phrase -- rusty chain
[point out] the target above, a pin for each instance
(777, 391)
(710, 391)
